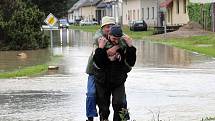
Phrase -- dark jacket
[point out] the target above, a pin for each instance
(98, 34)
(113, 73)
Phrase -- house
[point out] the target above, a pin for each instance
(147, 10)
(110, 8)
(176, 12)
(101, 11)
(131, 11)
(88, 9)
(74, 12)
(96, 9)
(83, 9)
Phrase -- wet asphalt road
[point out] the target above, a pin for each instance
(169, 82)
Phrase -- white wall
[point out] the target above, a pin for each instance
(178, 18)
(140, 9)
(149, 10)
(130, 10)
(88, 12)
(70, 17)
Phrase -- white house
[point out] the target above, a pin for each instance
(74, 12)
(83, 9)
(88, 9)
(148, 10)
(176, 12)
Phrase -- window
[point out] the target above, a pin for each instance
(142, 13)
(153, 12)
(138, 14)
(177, 6)
(134, 15)
(185, 6)
(169, 14)
(148, 13)
(129, 17)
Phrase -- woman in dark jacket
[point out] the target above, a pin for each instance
(111, 73)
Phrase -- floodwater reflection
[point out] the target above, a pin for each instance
(149, 54)
(176, 84)
(9, 60)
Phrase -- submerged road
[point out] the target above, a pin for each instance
(169, 82)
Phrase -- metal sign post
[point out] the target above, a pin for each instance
(51, 37)
(51, 20)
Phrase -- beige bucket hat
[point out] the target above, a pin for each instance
(108, 20)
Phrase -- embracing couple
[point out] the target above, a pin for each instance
(112, 58)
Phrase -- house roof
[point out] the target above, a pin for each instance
(101, 5)
(76, 5)
(83, 3)
(166, 3)
(90, 3)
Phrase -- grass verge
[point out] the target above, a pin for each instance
(201, 44)
(28, 71)
(208, 119)
(137, 35)
(32, 70)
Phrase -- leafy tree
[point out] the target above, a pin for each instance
(58, 7)
(20, 23)
(196, 12)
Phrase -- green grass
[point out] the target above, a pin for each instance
(138, 35)
(28, 71)
(92, 28)
(135, 35)
(201, 44)
(208, 119)
(32, 70)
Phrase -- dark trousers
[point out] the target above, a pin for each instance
(103, 94)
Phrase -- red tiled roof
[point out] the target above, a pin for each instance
(166, 4)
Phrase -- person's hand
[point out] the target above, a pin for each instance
(102, 41)
(128, 40)
(112, 51)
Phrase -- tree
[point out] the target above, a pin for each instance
(58, 7)
(21, 24)
(200, 13)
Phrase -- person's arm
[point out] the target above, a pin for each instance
(112, 51)
(130, 55)
(100, 57)
(97, 36)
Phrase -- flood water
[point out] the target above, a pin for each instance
(175, 84)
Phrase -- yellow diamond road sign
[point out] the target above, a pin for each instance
(51, 20)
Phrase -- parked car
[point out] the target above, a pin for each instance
(63, 23)
(139, 25)
(71, 21)
(77, 21)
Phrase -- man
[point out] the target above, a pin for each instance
(111, 73)
(102, 33)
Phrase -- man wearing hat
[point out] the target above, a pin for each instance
(101, 34)
(111, 73)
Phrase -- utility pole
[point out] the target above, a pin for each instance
(117, 11)
(158, 13)
(213, 16)
(91, 11)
